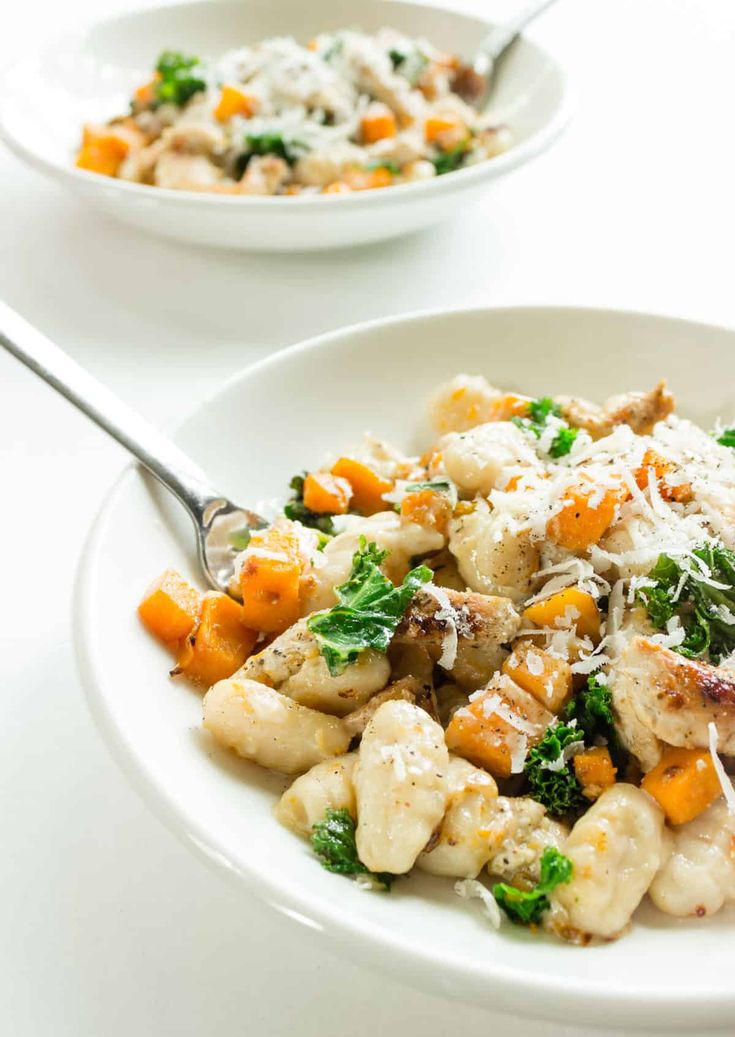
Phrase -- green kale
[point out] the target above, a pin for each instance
(272, 143)
(592, 709)
(397, 57)
(369, 610)
(525, 907)
(179, 78)
(449, 161)
(297, 511)
(333, 840)
(393, 168)
(563, 441)
(727, 437)
(555, 787)
(683, 588)
(539, 411)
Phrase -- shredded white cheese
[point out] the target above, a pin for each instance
(447, 615)
(727, 790)
(471, 889)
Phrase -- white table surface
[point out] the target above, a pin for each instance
(110, 927)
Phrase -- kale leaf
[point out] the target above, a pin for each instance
(296, 510)
(273, 143)
(178, 78)
(525, 907)
(683, 588)
(369, 609)
(333, 840)
(539, 411)
(592, 709)
(555, 787)
(727, 437)
(449, 161)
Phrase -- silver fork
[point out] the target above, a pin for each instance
(498, 42)
(216, 519)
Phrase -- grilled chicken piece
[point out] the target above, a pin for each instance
(407, 689)
(294, 665)
(640, 410)
(479, 618)
(676, 698)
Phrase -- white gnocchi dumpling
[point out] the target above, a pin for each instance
(477, 460)
(460, 848)
(264, 726)
(698, 875)
(401, 784)
(294, 665)
(462, 403)
(615, 848)
(493, 558)
(327, 786)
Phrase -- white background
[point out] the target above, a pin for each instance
(109, 927)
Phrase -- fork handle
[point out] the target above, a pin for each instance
(501, 37)
(156, 452)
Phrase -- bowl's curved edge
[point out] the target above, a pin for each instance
(507, 990)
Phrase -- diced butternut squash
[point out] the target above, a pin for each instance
(509, 405)
(427, 508)
(326, 493)
(541, 674)
(359, 179)
(368, 486)
(378, 123)
(665, 475)
(438, 127)
(145, 95)
(269, 580)
(219, 645)
(170, 608)
(571, 607)
(233, 101)
(587, 511)
(684, 783)
(105, 147)
(497, 727)
(594, 770)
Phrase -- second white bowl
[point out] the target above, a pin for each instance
(44, 102)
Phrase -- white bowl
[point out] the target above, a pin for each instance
(272, 420)
(45, 100)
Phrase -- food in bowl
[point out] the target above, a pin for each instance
(348, 112)
(511, 657)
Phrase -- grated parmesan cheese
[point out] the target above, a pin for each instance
(727, 790)
(447, 615)
(471, 889)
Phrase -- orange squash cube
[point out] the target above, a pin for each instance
(270, 580)
(234, 102)
(367, 485)
(325, 493)
(541, 674)
(378, 123)
(497, 727)
(577, 604)
(219, 645)
(428, 508)
(438, 127)
(594, 770)
(586, 513)
(684, 783)
(170, 608)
